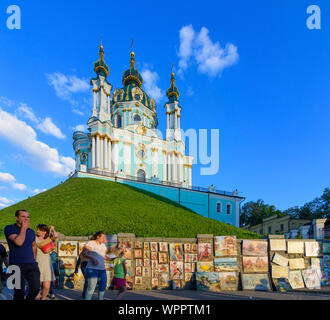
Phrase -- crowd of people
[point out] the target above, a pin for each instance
(33, 253)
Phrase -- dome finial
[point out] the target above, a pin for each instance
(100, 67)
(173, 92)
(132, 61)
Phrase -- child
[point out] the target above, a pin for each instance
(119, 279)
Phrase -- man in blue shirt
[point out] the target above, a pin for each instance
(22, 253)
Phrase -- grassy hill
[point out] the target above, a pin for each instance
(80, 207)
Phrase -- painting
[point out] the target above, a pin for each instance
(154, 273)
(153, 255)
(162, 257)
(67, 248)
(194, 248)
(255, 264)
(153, 246)
(138, 262)
(127, 253)
(146, 263)
(194, 257)
(298, 263)
(225, 246)
(176, 270)
(112, 238)
(129, 282)
(296, 280)
(154, 264)
(138, 253)
(187, 267)
(129, 267)
(282, 285)
(225, 264)
(277, 244)
(154, 282)
(255, 248)
(193, 267)
(111, 247)
(125, 244)
(187, 276)
(163, 268)
(138, 271)
(204, 252)
(312, 249)
(311, 278)
(81, 247)
(280, 260)
(208, 281)
(163, 280)
(176, 252)
(146, 246)
(138, 244)
(187, 247)
(67, 262)
(146, 254)
(146, 271)
(326, 247)
(138, 281)
(295, 246)
(205, 267)
(163, 246)
(188, 257)
(256, 282)
(280, 272)
(228, 281)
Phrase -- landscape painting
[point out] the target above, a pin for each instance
(225, 246)
(208, 281)
(204, 252)
(280, 272)
(295, 246)
(228, 281)
(225, 264)
(255, 264)
(312, 249)
(277, 244)
(255, 248)
(256, 282)
(296, 280)
(280, 260)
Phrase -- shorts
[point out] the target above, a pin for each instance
(119, 283)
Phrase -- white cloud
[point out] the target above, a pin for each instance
(80, 127)
(4, 202)
(27, 112)
(150, 84)
(23, 136)
(37, 191)
(10, 179)
(47, 126)
(211, 59)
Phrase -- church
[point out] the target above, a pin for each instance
(123, 139)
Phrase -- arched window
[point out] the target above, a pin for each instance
(219, 207)
(141, 175)
(136, 119)
(228, 208)
(118, 121)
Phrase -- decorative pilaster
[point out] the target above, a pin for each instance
(105, 153)
(109, 156)
(164, 166)
(93, 152)
(97, 153)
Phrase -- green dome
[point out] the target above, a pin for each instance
(132, 75)
(172, 92)
(100, 67)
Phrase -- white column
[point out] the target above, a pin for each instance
(115, 156)
(164, 166)
(154, 162)
(168, 121)
(127, 158)
(179, 169)
(124, 120)
(101, 153)
(97, 153)
(105, 153)
(175, 120)
(169, 167)
(179, 122)
(93, 152)
(189, 170)
(109, 156)
(175, 167)
(129, 118)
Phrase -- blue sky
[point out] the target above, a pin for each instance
(270, 101)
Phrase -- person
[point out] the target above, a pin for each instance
(82, 262)
(45, 266)
(22, 253)
(54, 262)
(120, 271)
(95, 250)
(3, 259)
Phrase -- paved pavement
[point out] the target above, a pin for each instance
(70, 294)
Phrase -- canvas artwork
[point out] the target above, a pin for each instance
(187, 267)
(312, 249)
(138, 280)
(163, 246)
(316, 263)
(129, 282)
(277, 244)
(146, 263)
(146, 254)
(81, 247)
(296, 280)
(111, 247)
(138, 263)
(153, 246)
(145, 271)
(138, 271)
(138, 244)
(127, 254)
(194, 248)
(188, 257)
(208, 281)
(225, 264)
(146, 246)
(162, 257)
(187, 247)
(282, 285)
(154, 282)
(280, 260)
(67, 263)
(163, 279)
(163, 268)
(67, 248)
(187, 276)
(138, 253)
(326, 247)
(298, 263)
(295, 246)
(194, 257)
(193, 267)
(154, 273)
(176, 270)
(228, 281)
(129, 267)
(125, 244)
(205, 267)
(257, 282)
(280, 272)
(225, 246)
(311, 278)
(153, 255)
(255, 248)
(255, 264)
(204, 252)
(154, 264)
(176, 252)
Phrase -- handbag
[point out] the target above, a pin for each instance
(47, 245)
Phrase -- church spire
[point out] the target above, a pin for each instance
(100, 67)
(173, 93)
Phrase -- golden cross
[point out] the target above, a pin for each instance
(132, 44)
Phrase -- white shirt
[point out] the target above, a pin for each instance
(97, 251)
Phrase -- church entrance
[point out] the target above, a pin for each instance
(141, 175)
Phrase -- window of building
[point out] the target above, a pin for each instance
(282, 227)
(218, 207)
(119, 121)
(228, 208)
(269, 229)
(136, 119)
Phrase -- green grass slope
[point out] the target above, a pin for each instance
(80, 207)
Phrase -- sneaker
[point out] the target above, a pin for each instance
(51, 296)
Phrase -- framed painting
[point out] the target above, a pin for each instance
(187, 267)
(255, 248)
(154, 273)
(125, 244)
(154, 282)
(146, 246)
(188, 257)
(312, 249)
(154, 264)
(163, 246)
(255, 264)
(187, 276)
(194, 257)
(146, 271)
(138, 271)
(208, 281)
(163, 279)
(176, 252)
(311, 278)
(205, 267)
(225, 246)
(162, 257)
(138, 262)
(146, 263)
(163, 268)
(256, 282)
(298, 263)
(153, 246)
(153, 255)
(277, 244)
(194, 248)
(204, 252)
(280, 260)
(138, 253)
(187, 247)
(228, 281)
(129, 282)
(127, 254)
(138, 244)
(225, 264)
(176, 270)
(282, 285)
(295, 246)
(67, 248)
(138, 281)
(111, 247)
(296, 280)
(146, 254)
(280, 272)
